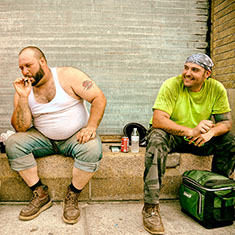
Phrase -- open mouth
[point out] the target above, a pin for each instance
(188, 79)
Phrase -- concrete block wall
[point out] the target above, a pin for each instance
(223, 46)
(128, 47)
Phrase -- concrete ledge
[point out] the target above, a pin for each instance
(120, 176)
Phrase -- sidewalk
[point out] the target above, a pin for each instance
(106, 218)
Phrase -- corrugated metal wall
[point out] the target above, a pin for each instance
(128, 47)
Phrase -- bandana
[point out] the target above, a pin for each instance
(201, 59)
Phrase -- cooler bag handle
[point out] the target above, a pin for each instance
(228, 196)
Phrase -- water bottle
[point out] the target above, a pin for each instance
(135, 139)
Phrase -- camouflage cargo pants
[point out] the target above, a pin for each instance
(160, 143)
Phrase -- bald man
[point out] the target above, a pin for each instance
(50, 117)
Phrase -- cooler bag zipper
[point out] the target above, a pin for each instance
(193, 182)
(200, 198)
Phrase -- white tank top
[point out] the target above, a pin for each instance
(61, 117)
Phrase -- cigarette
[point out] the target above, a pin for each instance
(26, 80)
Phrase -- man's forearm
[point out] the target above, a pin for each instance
(21, 118)
(172, 127)
(96, 112)
(221, 128)
(223, 124)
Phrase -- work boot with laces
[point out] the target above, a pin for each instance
(39, 202)
(151, 219)
(71, 210)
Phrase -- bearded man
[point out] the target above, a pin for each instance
(191, 114)
(50, 117)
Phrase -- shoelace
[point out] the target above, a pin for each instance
(154, 211)
(71, 198)
(35, 195)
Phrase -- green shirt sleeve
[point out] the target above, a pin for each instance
(221, 104)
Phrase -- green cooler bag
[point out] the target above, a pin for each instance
(208, 197)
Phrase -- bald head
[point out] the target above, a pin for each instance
(38, 54)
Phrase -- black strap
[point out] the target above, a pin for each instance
(209, 202)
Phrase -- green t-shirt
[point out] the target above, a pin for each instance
(188, 108)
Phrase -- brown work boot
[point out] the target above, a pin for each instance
(71, 210)
(151, 219)
(39, 202)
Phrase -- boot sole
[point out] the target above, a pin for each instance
(72, 221)
(155, 233)
(46, 206)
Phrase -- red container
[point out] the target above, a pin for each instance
(125, 144)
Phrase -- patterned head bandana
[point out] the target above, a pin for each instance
(201, 59)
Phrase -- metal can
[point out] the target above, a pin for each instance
(125, 144)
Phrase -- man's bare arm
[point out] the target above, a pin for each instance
(21, 117)
(223, 124)
(162, 120)
(84, 87)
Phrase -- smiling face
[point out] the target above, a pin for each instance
(194, 76)
(31, 66)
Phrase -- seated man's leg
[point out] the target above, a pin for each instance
(224, 154)
(86, 162)
(21, 148)
(158, 147)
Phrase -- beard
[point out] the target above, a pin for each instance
(38, 76)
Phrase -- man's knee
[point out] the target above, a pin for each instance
(225, 141)
(90, 151)
(14, 145)
(157, 138)
(157, 135)
(88, 158)
(21, 148)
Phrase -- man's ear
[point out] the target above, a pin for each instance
(42, 61)
(207, 74)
